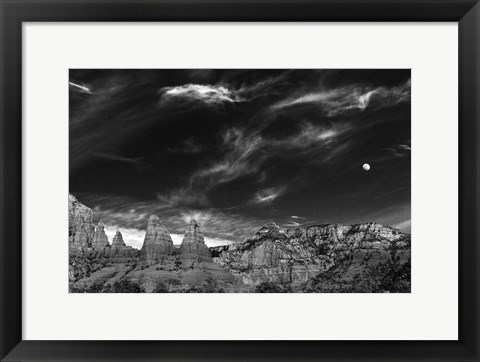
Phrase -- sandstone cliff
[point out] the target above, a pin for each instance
(80, 224)
(293, 257)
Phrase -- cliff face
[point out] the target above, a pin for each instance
(80, 224)
(90, 241)
(293, 257)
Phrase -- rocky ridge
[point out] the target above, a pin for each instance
(292, 257)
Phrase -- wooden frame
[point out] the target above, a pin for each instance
(14, 12)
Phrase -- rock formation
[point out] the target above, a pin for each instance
(80, 224)
(117, 241)
(120, 250)
(271, 230)
(292, 257)
(193, 244)
(157, 242)
(366, 257)
(100, 239)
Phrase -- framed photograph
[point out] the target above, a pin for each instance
(240, 180)
(257, 162)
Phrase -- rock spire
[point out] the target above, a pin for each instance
(193, 244)
(117, 241)
(158, 241)
(100, 239)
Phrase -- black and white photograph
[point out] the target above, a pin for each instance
(239, 181)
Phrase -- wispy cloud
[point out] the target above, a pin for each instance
(320, 96)
(405, 147)
(80, 88)
(267, 196)
(209, 94)
(345, 99)
(264, 87)
(245, 152)
(225, 91)
(313, 136)
(400, 150)
(241, 158)
(109, 115)
(115, 157)
(201, 217)
(182, 196)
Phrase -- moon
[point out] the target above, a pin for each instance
(366, 167)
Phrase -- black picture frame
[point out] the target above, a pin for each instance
(14, 12)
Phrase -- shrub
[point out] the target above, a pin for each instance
(95, 288)
(174, 282)
(269, 287)
(161, 288)
(126, 286)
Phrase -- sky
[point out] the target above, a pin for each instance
(236, 149)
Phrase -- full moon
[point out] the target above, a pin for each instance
(366, 166)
